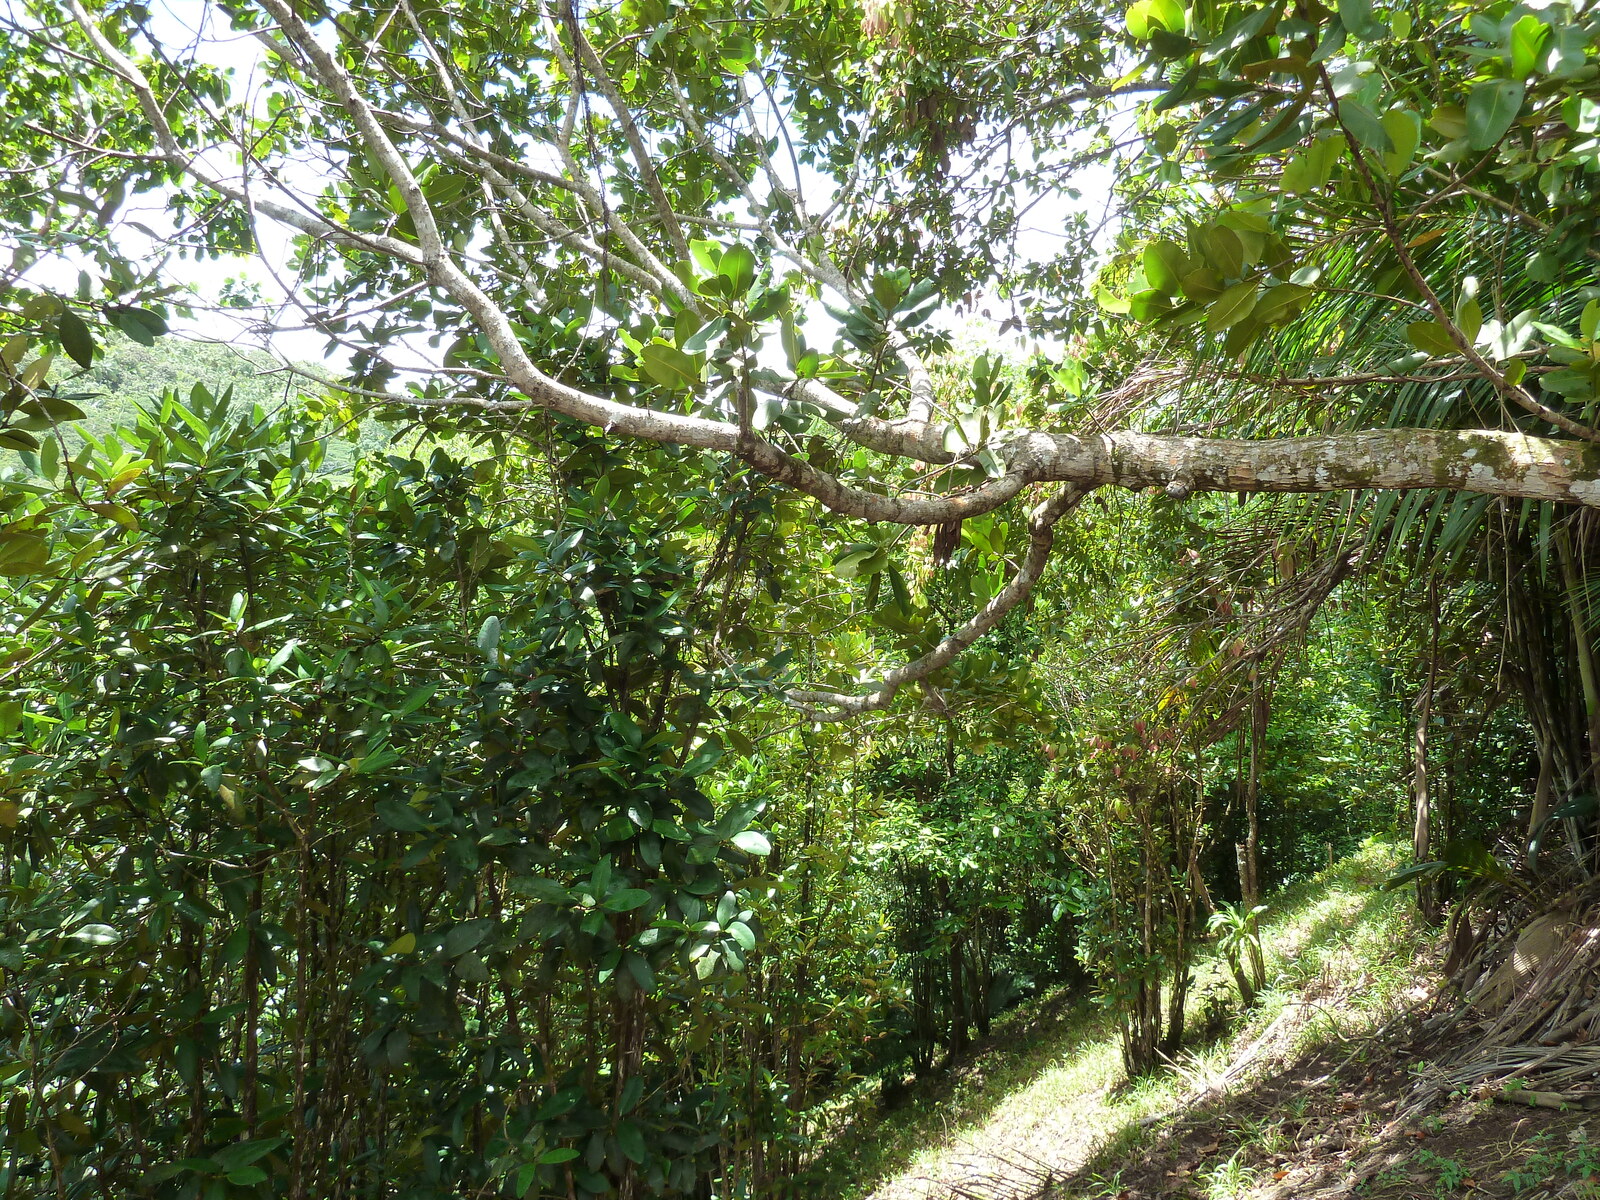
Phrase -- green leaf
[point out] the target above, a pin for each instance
(282, 656)
(96, 935)
(1310, 170)
(488, 639)
(1147, 16)
(854, 559)
(1284, 130)
(752, 842)
(1364, 125)
(18, 439)
(22, 553)
(140, 324)
(626, 728)
(743, 934)
(626, 900)
(561, 1154)
(1404, 128)
(738, 267)
(1528, 38)
(1165, 265)
(375, 759)
(631, 1142)
(669, 366)
(237, 945)
(466, 936)
(1356, 16)
(1449, 120)
(541, 888)
(406, 943)
(1233, 306)
(400, 816)
(736, 53)
(639, 967)
(76, 339)
(1223, 250)
(699, 341)
(1430, 337)
(1202, 285)
(632, 1093)
(1589, 322)
(704, 759)
(417, 697)
(1333, 40)
(242, 1154)
(1411, 874)
(133, 329)
(1280, 302)
(1570, 383)
(1148, 305)
(1491, 108)
(1238, 33)
(1106, 299)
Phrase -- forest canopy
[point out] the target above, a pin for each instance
(606, 216)
(620, 696)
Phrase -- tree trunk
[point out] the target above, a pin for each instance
(1542, 792)
(957, 1042)
(1577, 612)
(1421, 796)
(1250, 873)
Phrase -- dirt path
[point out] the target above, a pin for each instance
(1040, 1109)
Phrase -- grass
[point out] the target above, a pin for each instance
(1048, 1099)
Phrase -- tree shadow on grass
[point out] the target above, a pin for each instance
(1325, 1126)
(871, 1142)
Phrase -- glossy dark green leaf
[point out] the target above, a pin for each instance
(627, 900)
(76, 339)
(738, 268)
(400, 816)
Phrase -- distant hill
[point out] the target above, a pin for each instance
(129, 376)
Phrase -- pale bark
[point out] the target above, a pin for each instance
(1250, 862)
(1041, 539)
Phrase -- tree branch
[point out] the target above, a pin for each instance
(839, 706)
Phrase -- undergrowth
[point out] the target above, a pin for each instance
(1047, 1097)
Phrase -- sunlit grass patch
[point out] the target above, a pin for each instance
(1049, 1097)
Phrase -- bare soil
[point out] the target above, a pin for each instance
(1336, 1123)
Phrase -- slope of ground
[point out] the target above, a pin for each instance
(1294, 1097)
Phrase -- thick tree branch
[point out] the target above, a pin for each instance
(838, 706)
(1485, 461)
(336, 79)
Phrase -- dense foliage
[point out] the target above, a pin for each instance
(572, 765)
